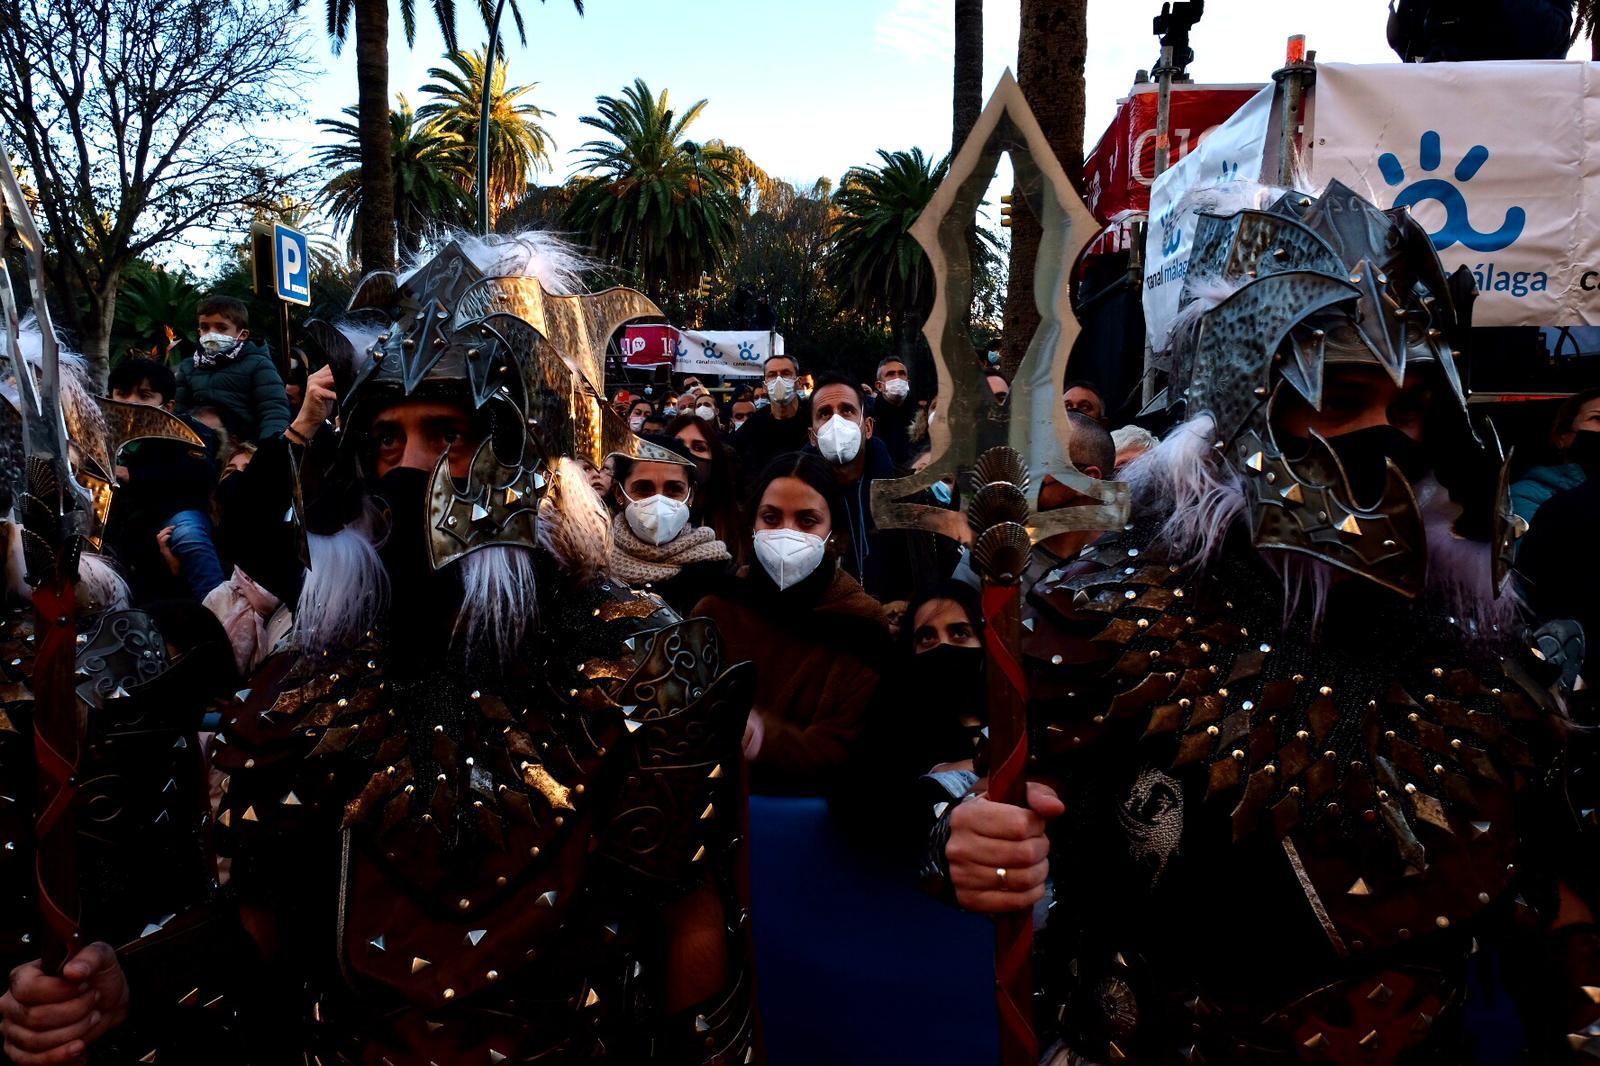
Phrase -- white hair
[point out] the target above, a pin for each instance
(1183, 479)
(1461, 570)
(86, 422)
(1201, 496)
(558, 263)
(500, 601)
(345, 589)
(1134, 437)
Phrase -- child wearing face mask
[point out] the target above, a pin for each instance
(817, 639)
(233, 374)
(653, 546)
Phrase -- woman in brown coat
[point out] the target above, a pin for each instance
(817, 639)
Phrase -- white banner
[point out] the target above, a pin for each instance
(1497, 161)
(1233, 152)
(731, 353)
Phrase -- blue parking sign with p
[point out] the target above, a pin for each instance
(291, 264)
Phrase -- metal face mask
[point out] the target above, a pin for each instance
(1321, 282)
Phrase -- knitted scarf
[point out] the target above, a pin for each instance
(635, 561)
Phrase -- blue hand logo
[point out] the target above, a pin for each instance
(1171, 232)
(709, 354)
(680, 352)
(1457, 227)
(747, 352)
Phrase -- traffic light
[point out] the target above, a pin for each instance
(1005, 210)
(705, 286)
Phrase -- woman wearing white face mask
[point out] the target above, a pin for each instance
(638, 413)
(653, 546)
(817, 639)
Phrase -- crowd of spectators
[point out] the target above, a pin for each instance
(772, 529)
(765, 525)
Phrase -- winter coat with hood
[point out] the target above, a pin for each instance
(819, 647)
(246, 388)
(1533, 490)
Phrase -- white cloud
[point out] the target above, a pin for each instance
(922, 29)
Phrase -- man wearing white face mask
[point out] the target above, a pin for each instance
(845, 438)
(778, 428)
(893, 410)
(653, 547)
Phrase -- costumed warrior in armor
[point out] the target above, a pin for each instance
(102, 792)
(1293, 760)
(482, 804)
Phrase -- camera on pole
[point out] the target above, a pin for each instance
(1172, 26)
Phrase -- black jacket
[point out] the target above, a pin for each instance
(764, 437)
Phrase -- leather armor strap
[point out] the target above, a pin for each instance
(189, 978)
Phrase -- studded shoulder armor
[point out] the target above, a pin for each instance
(139, 794)
(541, 814)
(1392, 775)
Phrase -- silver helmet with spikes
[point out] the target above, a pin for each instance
(1317, 282)
(528, 361)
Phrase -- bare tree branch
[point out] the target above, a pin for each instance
(136, 121)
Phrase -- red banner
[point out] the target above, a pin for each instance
(1118, 172)
(648, 346)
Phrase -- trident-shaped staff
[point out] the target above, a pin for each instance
(55, 511)
(1003, 453)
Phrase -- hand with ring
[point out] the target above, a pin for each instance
(999, 854)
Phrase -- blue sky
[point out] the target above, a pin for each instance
(810, 89)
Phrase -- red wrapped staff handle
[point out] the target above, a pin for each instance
(56, 740)
(1008, 760)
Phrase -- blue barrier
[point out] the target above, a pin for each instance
(854, 964)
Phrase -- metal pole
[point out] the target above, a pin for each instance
(283, 338)
(1164, 109)
(1297, 75)
(483, 117)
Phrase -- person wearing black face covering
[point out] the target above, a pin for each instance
(918, 746)
(1557, 557)
(1365, 455)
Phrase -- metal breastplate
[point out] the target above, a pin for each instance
(1384, 794)
(504, 850)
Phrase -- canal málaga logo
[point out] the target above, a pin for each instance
(1457, 226)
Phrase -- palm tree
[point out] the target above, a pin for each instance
(376, 235)
(155, 307)
(1051, 47)
(430, 177)
(518, 144)
(875, 264)
(743, 175)
(655, 204)
(968, 89)
(1585, 16)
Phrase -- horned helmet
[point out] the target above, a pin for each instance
(528, 362)
(1318, 282)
